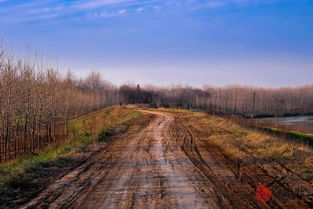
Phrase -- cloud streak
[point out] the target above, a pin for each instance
(99, 3)
(37, 10)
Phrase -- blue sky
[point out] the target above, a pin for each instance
(216, 42)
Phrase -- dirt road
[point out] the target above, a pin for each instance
(160, 163)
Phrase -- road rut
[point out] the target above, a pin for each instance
(159, 165)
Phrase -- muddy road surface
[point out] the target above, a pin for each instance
(160, 163)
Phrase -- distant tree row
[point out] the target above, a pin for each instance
(235, 99)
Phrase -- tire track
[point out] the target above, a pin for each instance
(161, 163)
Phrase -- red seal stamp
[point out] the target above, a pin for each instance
(263, 194)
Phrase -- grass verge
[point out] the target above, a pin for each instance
(251, 146)
(296, 136)
(20, 174)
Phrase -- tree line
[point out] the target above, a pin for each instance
(37, 101)
(235, 99)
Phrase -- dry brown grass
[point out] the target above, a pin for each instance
(94, 122)
(248, 145)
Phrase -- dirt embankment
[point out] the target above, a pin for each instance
(161, 163)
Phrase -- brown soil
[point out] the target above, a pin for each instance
(161, 163)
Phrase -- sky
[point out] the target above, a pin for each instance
(265, 43)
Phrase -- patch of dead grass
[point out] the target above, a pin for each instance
(249, 145)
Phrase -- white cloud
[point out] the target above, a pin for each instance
(51, 9)
(215, 4)
(47, 10)
(157, 7)
(122, 11)
(140, 9)
(103, 14)
(99, 3)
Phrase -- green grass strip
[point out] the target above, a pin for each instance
(12, 171)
